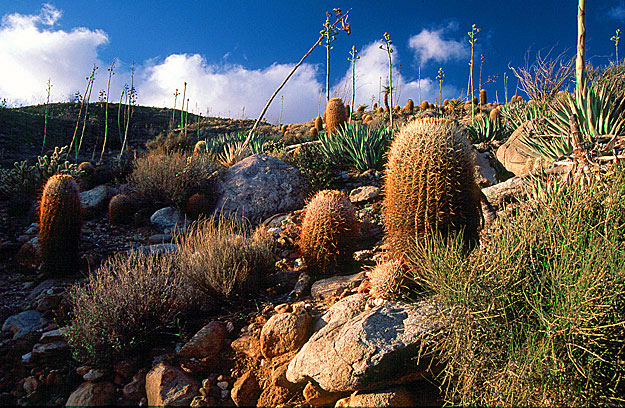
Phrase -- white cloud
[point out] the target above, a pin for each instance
(31, 54)
(429, 45)
(617, 12)
(225, 90)
(372, 67)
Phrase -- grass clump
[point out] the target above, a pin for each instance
(171, 178)
(222, 257)
(540, 308)
(124, 305)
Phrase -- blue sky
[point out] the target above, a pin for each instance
(234, 54)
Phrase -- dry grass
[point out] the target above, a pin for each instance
(171, 178)
(124, 305)
(222, 258)
(540, 308)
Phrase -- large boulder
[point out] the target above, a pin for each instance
(23, 323)
(515, 157)
(379, 346)
(205, 343)
(169, 386)
(343, 310)
(260, 186)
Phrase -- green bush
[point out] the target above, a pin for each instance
(124, 305)
(539, 309)
(314, 166)
(357, 146)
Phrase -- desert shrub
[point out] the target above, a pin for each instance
(358, 146)
(170, 142)
(314, 166)
(171, 178)
(124, 305)
(222, 258)
(539, 311)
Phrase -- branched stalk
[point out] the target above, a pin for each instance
(45, 118)
(173, 112)
(472, 41)
(341, 18)
(386, 46)
(106, 108)
(353, 57)
(91, 79)
(184, 91)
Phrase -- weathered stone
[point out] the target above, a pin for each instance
(135, 390)
(166, 385)
(23, 323)
(168, 218)
(370, 349)
(284, 332)
(515, 157)
(158, 249)
(505, 191)
(48, 351)
(92, 394)
(248, 345)
(94, 201)
(52, 336)
(160, 239)
(485, 175)
(206, 342)
(29, 255)
(342, 311)
(245, 390)
(364, 193)
(333, 287)
(94, 374)
(260, 186)
(392, 397)
(317, 396)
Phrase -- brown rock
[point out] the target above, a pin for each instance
(245, 390)
(92, 394)
(283, 333)
(515, 157)
(392, 397)
(248, 345)
(29, 255)
(317, 396)
(206, 342)
(166, 385)
(135, 390)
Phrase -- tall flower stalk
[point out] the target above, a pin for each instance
(353, 57)
(472, 40)
(106, 107)
(440, 77)
(386, 46)
(45, 118)
(616, 37)
(329, 35)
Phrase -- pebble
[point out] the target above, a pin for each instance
(223, 385)
(206, 383)
(283, 308)
(82, 370)
(225, 394)
(93, 375)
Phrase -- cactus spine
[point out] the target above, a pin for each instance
(430, 185)
(59, 225)
(329, 231)
(335, 114)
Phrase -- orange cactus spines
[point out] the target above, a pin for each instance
(59, 225)
(329, 232)
(335, 114)
(430, 185)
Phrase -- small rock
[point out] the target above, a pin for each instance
(168, 217)
(392, 397)
(30, 384)
(223, 385)
(245, 390)
(135, 390)
(160, 239)
(364, 193)
(56, 350)
(364, 255)
(23, 323)
(225, 394)
(333, 287)
(283, 333)
(90, 394)
(283, 308)
(158, 249)
(317, 396)
(302, 285)
(94, 201)
(82, 370)
(166, 385)
(206, 342)
(29, 255)
(52, 336)
(94, 375)
(248, 345)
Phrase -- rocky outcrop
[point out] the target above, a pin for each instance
(342, 311)
(334, 286)
(23, 323)
(515, 157)
(92, 394)
(370, 349)
(260, 186)
(206, 342)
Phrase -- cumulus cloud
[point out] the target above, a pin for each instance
(617, 12)
(226, 90)
(372, 68)
(31, 53)
(429, 45)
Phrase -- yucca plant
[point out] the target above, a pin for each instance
(485, 129)
(599, 109)
(356, 145)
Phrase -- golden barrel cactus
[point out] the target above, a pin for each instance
(335, 114)
(59, 225)
(319, 124)
(483, 100)
(329, 232)
(425, 105)
(409, 105)
(121, 209)
(430, 185)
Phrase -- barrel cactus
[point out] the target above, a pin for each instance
(319, 124)
(121, 209)
(59, 225)
(409, 105)
(430, 185)
(329, 231)
(483, 100)
(335, 114)
(387, 279)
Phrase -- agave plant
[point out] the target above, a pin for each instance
(485, 129)
(231, 154)
(517, 113)
(600, 110)
(355, 145)
(551, 147)
(217, 144)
